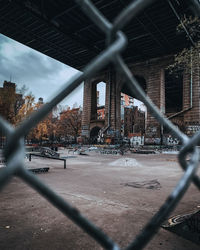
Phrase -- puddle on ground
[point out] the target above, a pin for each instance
(152, 184)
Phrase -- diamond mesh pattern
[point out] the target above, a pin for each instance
(115, 43)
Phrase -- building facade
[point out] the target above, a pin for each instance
(134, 121)
(10, 101)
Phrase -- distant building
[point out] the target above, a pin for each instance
(40, 101)
(132, 118)
(10, 101)
(136, 139)
(126, 100)
(101, 112)
(134, 121)
(139, 120)
(98, 98)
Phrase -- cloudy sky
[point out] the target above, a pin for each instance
(42, 75)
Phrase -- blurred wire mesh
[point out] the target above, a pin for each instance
(115, 43)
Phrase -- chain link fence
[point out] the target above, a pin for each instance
(115, 43)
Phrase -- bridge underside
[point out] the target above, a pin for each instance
(60, 30)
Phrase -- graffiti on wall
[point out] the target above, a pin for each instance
(192, 129)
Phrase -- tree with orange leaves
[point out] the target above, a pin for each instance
(69, 124)
(43, 130)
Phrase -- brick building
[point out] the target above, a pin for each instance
(100, 109)
(132, 118)
(134, 121)
(177, 98)
(10, 101)
(101, 112)
(126, 100)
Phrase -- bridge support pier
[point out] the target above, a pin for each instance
(156, 91)
(111, 121)
(153, 74)
(191, 99)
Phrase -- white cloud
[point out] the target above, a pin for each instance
(43, 75)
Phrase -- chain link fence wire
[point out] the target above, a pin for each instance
(116, 42)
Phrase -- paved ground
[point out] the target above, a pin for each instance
(118, 199)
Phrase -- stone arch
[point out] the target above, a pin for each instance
(140, 79)
(94, 131)
(97, 123)
(93, 89)
(94, 134)
(173, 91)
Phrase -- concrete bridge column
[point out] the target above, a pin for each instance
(93, 101)
(191, 100)
(89, 115)
(86, 115)
(156, 91)
(112, 107)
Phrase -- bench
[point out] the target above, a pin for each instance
(49, 157)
